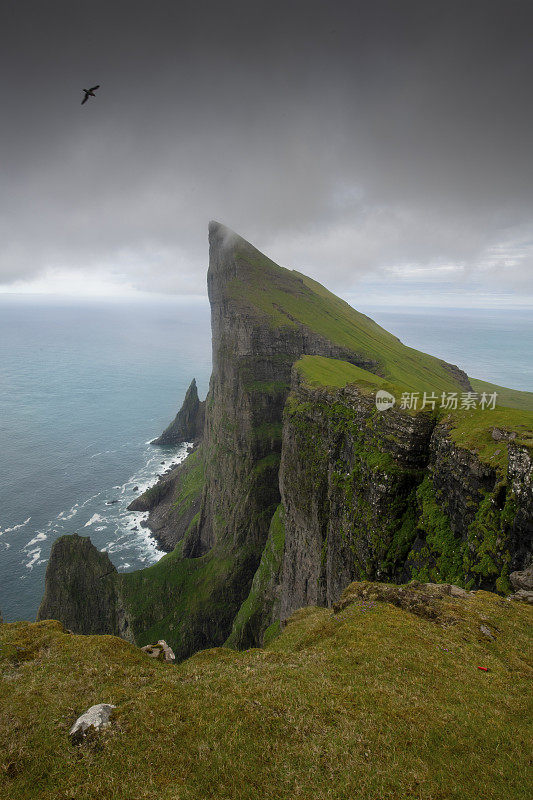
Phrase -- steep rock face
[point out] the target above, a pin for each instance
(348, 479)
(188, 424)
(460, 480)
(519, 525)
(252, 360)
(388, 495)
(80, 589)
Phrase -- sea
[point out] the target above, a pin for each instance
(86, 385)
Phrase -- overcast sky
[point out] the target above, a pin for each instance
(384, 147)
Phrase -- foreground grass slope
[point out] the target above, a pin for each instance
(371, 703)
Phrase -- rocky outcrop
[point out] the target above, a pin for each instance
(96, 718)
(421, 599)
(160, 651)
(188, 424)
(522, 582)
(81, 589)
(522, 579)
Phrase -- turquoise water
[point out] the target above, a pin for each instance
(84, 388)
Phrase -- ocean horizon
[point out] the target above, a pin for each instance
(85, 386)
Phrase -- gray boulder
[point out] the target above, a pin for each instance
(161, 651)
(522, 579)
(96, 717)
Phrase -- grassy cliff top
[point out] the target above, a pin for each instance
(372, 702)
(333, 373)
(288, 298)
(322, 371)
(471, 428)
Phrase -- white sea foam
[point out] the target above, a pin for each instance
(94, 518)
(124, 532)
(34, 557)
(39, 538)
(15, 527)
(93, 497)
(65, 515)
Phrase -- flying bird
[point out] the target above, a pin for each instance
(89, 93)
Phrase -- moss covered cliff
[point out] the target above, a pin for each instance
(397, 495)
(299, 484)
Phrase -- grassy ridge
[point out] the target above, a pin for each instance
(287, 298)
(512, 398)
(372, 703)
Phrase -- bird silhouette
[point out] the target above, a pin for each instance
(89, 93)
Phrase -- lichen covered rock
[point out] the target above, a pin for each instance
(96, 718)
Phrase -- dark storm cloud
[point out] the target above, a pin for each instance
(343, 138)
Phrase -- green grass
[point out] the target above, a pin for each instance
(191, 481)
(333, 373)
(512, 398)
(472, 429)
(375, 705)
(321, 371)
(287, 298)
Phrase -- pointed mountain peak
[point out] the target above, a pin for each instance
(189, 421)
(222, 238)
(192, 391)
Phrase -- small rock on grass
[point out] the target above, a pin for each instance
(96, 717)
(161, 651)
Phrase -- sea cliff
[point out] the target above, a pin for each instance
(298, 484)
